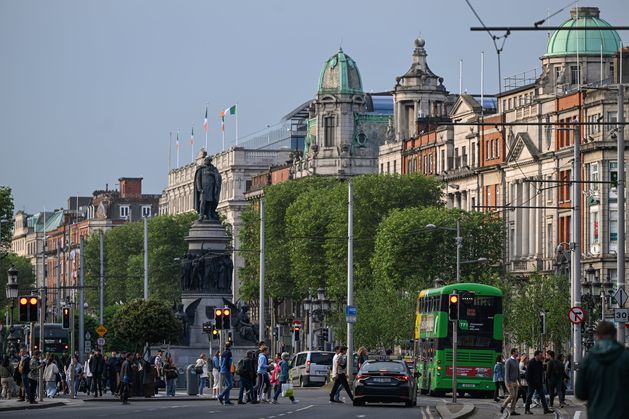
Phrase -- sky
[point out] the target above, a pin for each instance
(90, 91)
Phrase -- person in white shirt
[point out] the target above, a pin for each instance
(337, 353)
(201, 367)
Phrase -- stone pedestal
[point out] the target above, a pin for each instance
(207, 235)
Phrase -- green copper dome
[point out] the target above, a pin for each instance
(588, 42)
(340, 75)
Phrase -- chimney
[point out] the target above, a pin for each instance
(583, 12)
(130, 187)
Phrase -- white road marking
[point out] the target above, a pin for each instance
(304, 408)
(360, 416)
(577, 414)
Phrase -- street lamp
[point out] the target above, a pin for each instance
(11, 290)
(316, 309)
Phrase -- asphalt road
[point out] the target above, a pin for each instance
(313, 403)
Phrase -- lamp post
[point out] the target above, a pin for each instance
(316, 307)
(11, 290)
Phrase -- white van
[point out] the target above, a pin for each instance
(311, 368)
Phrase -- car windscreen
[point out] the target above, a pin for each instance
(375, 367)
(321, 358)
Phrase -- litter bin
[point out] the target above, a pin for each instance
(192, 381)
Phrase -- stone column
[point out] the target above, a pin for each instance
(532, 215)
(514, 198)
(525, 218)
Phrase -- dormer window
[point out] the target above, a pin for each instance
(124, 211)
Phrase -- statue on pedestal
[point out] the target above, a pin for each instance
(207, 190)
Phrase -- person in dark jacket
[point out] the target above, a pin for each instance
(603, 378)
(114, 372)
(126, 373)
(535, 380)
(247, 375)
(97, 367)
(555, 374)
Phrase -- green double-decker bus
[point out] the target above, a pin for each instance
(479, 339)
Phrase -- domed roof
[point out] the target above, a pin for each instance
(589, 42)
(340, 75)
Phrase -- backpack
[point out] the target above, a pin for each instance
(240, 367)
(343, 361)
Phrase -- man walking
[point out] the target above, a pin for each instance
(114, 367)
(97, 367)
(535, 379)
(512, 375)
(125, 378)
(603, 378)
(228, 379)
(341, 376)
(24, 367)
(33, 377)
(247, 378)
(335, 358)
(555, 375)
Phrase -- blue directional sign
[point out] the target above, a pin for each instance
(350, 314)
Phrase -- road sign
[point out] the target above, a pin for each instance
(576, 315)
(621, 315)
(88, 336)
(101, 330)
(100, 341)
(88, 347)
(350, 314)
(621, 297)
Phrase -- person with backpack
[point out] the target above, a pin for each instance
(200, 368)
(341, 376)
(216, 375)
(247, 375)
(282, 378)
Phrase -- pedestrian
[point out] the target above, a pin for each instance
(341, 376)
(105, 375)
(511, 376)
(568, 368)
(603, 378)
(216, 375)
(158, 363)
(200, 367)
(87, 372)
(171, 374)
(362, 356)
(247, 375)
(63, 378)
(263, 374)
(78, 373)
(228, 379)
(335, 358)
(147, 376)
(24, 367)
(555, 374)
(283, 378)
(33, 376)
(499, 378)
(6, 378)
(125, 378)
(535, 380)
(96, 367)
(50, 377)
(523, 385)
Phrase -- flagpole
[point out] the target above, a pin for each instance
(205, 126)
(170, 149)
(223, 132)
(192, 146)
(237, 112)
(177, 146)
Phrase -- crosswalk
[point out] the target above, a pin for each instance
(428, 412)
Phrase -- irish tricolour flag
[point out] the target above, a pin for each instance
(229, 111)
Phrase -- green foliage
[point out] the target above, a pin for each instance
(6, 214)
(25, 279)
(150, 321)
(124, 260)
(527, 299)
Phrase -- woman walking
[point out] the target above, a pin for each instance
(499, 378)
(523, 385)
(283, 379)
(50, 377)
(216, 375)
(200, 367)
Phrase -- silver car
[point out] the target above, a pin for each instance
(311, 368)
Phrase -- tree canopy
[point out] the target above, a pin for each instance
(150, 321)
(6, 219)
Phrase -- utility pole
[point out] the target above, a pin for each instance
(102, 275)
(146, 259)
(58, 299)
(81, 303)
(459, 244)
(261, 325)
(72, 350)
(576, 240)
(41, 348)
(350, 274)
(620, 252)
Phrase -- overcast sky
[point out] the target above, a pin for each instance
(90, 90)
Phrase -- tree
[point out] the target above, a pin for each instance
(146, 322)
(6, 219)
(124, 260)
(25, 279)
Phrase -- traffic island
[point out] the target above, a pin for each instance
(455, 411)
(28, 406)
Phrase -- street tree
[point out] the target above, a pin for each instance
(142, 322)
(25, 279)
(6, 219)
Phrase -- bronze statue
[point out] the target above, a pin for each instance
(207, 190)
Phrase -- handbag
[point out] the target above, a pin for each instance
(161, 383)
(198, 370)
(287, 390)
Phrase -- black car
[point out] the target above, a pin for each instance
(385, 382)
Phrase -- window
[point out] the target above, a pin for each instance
(388, 167)
(564, 186)
(593, 225)
(557, 73)
(613, 227)
(381, 167)
(510, 103)
(124, 211)
(504, 104)
(329, 126)
(574, 74)
(594, 177)
(394, 166)
(550, 243)
(146, 210)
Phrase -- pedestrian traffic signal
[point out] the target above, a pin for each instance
(229, 337)
(218, 318)
(28, 308)
(296, 330)
(65, 311)
(453, 306)
(324, 335)
(215, 333)
(227, 315)
(207, 328)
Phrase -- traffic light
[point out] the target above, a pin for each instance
(613, 179)
(28, 308)
(215, 333)
(227, 315)
(296, 330)
(65, 311)
(207, 328)
(324, 335)
(229, 337)
(218, 318)
(453, 306)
